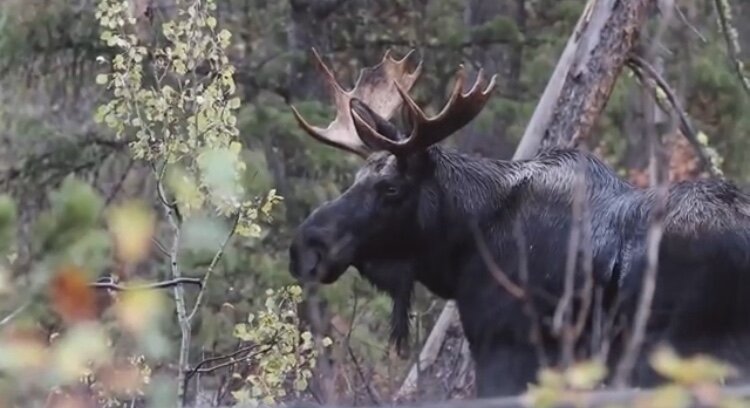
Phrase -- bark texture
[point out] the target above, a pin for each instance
(607, 39)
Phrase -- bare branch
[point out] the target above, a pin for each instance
(724, 10)
(372, 393)
(199, 368)
(212, 265)
(690, 25)
(529, 307)
(118, 186)
(159, 246)
(158, 285)
(12, 315)
(501, 277)
(653, 239)
(640, 68)
(561, 319)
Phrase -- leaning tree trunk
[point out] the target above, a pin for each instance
(575, 96)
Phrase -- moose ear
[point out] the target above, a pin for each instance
(375, 121)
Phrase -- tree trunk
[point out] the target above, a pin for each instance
(607, 40)
(574, 97)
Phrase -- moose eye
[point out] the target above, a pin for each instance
(389, 190)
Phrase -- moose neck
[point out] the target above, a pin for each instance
(462, 190)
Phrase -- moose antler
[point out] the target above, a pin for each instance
(377, 86)
(460, 109)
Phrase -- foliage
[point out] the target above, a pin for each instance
(290, 354)
(86, 345)
(184, 120)
(690, 380)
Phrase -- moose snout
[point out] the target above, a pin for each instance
(306, 254)
(316, 255)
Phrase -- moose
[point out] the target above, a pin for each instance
(420, 212)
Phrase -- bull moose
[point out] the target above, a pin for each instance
(422, 212)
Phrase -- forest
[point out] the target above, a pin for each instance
(153, 177)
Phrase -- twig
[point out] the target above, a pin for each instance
(159, 246)
(118, 186)
(653, 239)
(158, 285)
(198, 369)
(564, 310)
(587, 293)
(632, 349)
(724, 10)
(368, 385)
(529, 307)
(641, 67)
(690, 25)
(160, 187)
(232, 362)
(7, 319)
(494, 268)
(212, 265)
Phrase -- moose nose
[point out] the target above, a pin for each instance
(306, 253)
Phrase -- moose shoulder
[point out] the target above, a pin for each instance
(420, 212)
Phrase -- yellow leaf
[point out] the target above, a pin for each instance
(691, 371)
(132, 225)
(669, 396)
(82, 345)
(585, 375)
(139, 310)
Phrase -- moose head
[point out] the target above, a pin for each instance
(378, 219)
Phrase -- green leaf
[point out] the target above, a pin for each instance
(234, 103)
(7, 222)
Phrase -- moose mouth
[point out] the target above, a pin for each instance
(327, 273)
(311, 266)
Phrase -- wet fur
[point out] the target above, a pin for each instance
(703, 289)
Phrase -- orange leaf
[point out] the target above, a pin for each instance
(123, 379)
(72, 297)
